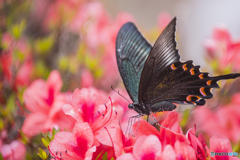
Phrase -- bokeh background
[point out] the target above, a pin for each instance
(195, 20)
(49, 48)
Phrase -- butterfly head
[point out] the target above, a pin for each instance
(131, 106)
(139, 108)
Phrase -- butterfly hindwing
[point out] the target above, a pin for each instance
(182, 83)
(163, 54)
(132, 50)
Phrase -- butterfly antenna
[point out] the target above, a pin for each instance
(120, 94)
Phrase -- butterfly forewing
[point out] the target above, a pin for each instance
(132, 50)
(163, 54)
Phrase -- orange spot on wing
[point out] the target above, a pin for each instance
(173, 67)
(189, 98)
(192, 71)
(202, 91)
(201, 76)
(184, 67)
(209, 82)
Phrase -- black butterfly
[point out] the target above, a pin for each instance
(154, 77)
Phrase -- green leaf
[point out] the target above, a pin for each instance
(54, 131)
(41, 70)
(18, 55)
(45, 142)
(1, 157)
(185, 118)
(99, 155)
(42, 154)
(18, 29)
(11, 104)
(23, 138)
(104, 157)
(1, 125)
(44, 45)
(112, 158)
(63, 63)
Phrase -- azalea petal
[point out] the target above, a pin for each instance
(18, 149)
(89, 153)
(116, 137)
(170, 137)
(167, 154)
(220, 144)
(69, 110)
(195, 143)
(127, 156)
(63, 143)
(144, 128)
(88, 96)
(221, 34)
(147, 147)
(57, 105)
(129, 141)
(6, 151)
(184, 151)
(171, 122)
(54, 81)
(84, 135)
(34, 97)
(34, 123)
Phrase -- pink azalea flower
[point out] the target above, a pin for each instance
(196, 143)
(149, 147)
(13, 151)
(87, 106)
(76, 145)
(163, 19)
(23, 74)
(6, 62)
(213, 123)
(44, 101)
(86, 79)
(100, 38)
(224, 49)
(221, 144)
(168, 135)
(10, 66)
(184, 151)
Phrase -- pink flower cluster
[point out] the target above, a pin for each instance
(222, 120)
(93, 127)
(44, 100)
(223, 49)
(101, 128)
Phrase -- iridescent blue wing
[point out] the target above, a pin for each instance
(132, 50)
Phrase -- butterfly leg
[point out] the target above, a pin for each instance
(157, 122)
(140, 115)
(131, 121)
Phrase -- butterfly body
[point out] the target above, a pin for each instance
(154, 77)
